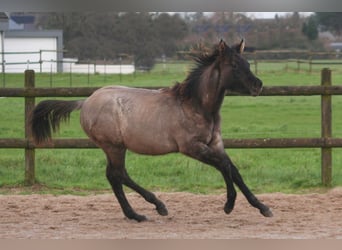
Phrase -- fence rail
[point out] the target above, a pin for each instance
(325, 142)
(86, 91)
(228, 143)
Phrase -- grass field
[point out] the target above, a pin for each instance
(264, 170)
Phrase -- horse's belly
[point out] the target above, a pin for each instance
(150, 143)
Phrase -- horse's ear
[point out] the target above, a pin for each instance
(241, 47)
(222, 47)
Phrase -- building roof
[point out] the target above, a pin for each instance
(23, 19)
(3, 21)
(3, 17)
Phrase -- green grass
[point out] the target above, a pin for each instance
(264, 170)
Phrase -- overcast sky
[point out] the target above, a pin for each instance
(259, 14)
(272, 14)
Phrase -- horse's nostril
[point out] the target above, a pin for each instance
(258, 83)
(257, 87)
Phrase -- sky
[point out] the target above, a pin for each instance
(272, 14)
(258, 14)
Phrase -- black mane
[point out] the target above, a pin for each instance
(185, 89)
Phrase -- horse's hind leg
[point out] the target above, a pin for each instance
(264, 210)
(115, 174)
(148, 196)
(118, 176)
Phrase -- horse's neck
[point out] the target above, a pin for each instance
(210, 93)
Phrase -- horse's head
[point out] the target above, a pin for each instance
(235, 70)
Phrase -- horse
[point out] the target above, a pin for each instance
(181, 118)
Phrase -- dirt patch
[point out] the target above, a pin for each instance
(309, 216)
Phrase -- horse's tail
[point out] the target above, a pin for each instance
(48, 114)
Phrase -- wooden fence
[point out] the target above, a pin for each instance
(298, 62)
(296, 58)
(325, 142)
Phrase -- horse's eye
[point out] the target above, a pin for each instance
(234, 66)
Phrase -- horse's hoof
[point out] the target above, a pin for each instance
(162, 211)
(138, 217)
(228, 210)
(266, 212)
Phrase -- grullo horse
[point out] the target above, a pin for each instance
(183, 118)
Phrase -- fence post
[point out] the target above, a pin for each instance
(326, 152)
(310, 62)
(298, 65)
(256, 66)
(40, 61)
(29, 152)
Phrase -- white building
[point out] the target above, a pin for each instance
(72, 65)
(41, 51)
(21, 49)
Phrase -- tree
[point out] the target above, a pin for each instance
(310, 28)
(330, 21)
(170, 29)
(94, 35)
(139, 38)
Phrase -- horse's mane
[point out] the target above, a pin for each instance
(185, 89)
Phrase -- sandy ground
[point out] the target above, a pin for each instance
(309, 216)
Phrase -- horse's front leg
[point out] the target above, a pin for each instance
(237, 178)
(216, 157)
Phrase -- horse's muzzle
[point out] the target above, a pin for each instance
(256, 88)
